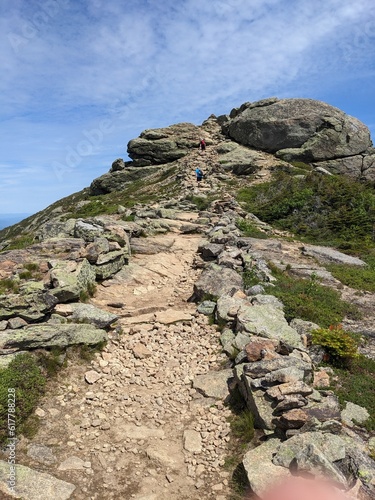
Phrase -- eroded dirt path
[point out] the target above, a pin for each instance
(141, 431)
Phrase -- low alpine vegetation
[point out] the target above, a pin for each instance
(307, 299)
(341, 346)
(249, 229)
(331, 210)
(23, 378)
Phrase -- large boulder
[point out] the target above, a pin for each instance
(31, 484)
(70, 278)
(260, 470)
(29, 306)
(267, 321)
(164, 145)
(216, 281)
(110, 263)
(300, 129)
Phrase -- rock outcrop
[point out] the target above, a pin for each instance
(164, 145)
(303, 130)
(299, 129)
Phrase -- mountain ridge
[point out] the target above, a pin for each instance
(148, 233)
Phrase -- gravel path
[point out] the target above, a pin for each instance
(139, 430)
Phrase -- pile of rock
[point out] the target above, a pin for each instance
(61, 268)
(274, 366)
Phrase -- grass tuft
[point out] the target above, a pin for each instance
(23, 378)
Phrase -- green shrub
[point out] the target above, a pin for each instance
(8, 285)
(249, 229)
(202, 203)
(301, 165)
(85, 295)
(250, 278)
(31, 266)
(341, 346)
(87, 353)
(307, 299)
(332, 210)
(25, 275)
(128, 218)
(51, 361)
(25, 377)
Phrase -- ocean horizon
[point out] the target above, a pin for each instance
(7, 220)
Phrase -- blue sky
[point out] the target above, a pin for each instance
(80, 78)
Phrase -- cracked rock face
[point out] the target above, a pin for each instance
(300, 129)
(158, 146)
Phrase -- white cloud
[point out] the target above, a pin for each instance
(146, 63)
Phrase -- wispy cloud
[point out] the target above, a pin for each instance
(67, 66)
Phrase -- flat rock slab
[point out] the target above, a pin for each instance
(215, 384)
(47, 335)
(166, 454)
(267, 321)
(332, 446)
(34, 485)
(41, 454)
(147, 247)
(74, 463)
(172, 316)
(329, 255)
(260, 470)
(90, 314)
(132, 431)
(192, 441)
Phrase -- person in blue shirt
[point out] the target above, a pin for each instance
(199, 174)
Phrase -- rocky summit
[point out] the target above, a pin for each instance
(191, 348)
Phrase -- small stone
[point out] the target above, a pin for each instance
(92, 376)
(54, 412)
(354, 414)
(116, 305)
(39, 412)
(321, 378)
(141, 352)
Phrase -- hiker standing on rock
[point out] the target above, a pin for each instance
(199, 174)
(202, 145)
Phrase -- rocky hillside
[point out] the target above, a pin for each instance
(199, 304)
